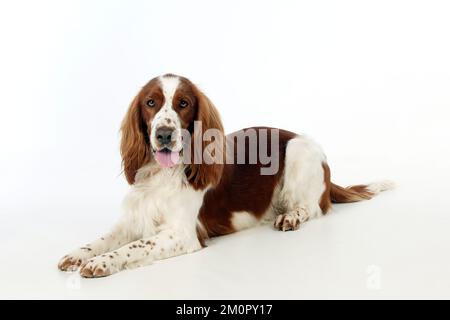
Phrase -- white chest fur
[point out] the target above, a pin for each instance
(160, 199)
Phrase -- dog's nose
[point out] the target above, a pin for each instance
(164, 135)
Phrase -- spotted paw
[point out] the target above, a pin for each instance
(101, 266)
(291, 220)
(74, 260)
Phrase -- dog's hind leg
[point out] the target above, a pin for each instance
(302, 186)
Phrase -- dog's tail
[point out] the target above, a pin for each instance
(359, 192)
(337, 194)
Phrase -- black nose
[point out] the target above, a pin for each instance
(164, 135)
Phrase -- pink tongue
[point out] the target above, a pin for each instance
(167, 159)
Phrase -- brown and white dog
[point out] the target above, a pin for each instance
(174, 204)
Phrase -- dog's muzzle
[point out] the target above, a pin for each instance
(166, 140)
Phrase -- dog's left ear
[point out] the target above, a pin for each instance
(209, 171)
(134, 147)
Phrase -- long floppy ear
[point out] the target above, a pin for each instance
(134, 144)
(209, 171)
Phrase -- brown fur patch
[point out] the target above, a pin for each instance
(202, 235)
(203, 175)
(135, 145)
(242, 187)
(350, 194)
(325, 200)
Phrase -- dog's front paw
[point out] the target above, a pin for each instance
(72, 261)
(101, 266)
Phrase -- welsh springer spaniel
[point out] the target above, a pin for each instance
(232, 182)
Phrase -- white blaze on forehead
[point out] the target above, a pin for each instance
(169, 85)
(167, 116)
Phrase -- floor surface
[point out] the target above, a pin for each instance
(394, 246)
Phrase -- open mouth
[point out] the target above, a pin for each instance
(167, 158)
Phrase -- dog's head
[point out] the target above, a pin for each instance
(156, 124)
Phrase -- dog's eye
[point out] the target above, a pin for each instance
(151, 103)
(183, 104)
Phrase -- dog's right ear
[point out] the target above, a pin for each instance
(134, 145)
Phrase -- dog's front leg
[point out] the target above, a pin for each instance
(167, 243)
(111, 241)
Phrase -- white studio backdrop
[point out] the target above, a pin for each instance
(369, 80)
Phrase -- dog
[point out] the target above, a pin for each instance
(190, 182)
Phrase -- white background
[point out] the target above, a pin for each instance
(369, 80)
